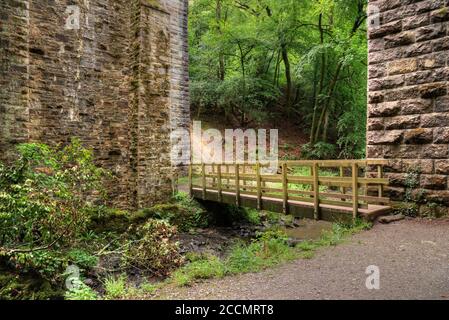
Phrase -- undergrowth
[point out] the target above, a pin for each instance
(269, 249)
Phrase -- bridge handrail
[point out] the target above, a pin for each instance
(218, 177)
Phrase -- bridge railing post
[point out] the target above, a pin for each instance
(355, 190)
(191, 179)
(342, 189)
(203, 179)
(259, 187)
(380, 176)
(220, 188)
(285, 188)
(214, 180)
(316, 191)
(237, 184)
(280, 190)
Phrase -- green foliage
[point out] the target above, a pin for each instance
(150, 248)
(252, 216)
(269, 249)
(409, 207)
(149, 288)
(48, 264)
(45, 208)
(43, 195)
(319, 151)
(80, 291)
(205, 268)
(245, 99)
(26, 287)
(82, 259)
(185, 213)
(352, 132)
(115, 287)
(300, 59)
(105, 219)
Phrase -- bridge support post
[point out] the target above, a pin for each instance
(316, 191)
(191, 180)
(220, 188)
(355, 190)
(285, 188)
(203, 172)
(237, 185)
(259, 187)
(380, 174)
(342, 189)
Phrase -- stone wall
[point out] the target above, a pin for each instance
(118, 81)
(408, 107)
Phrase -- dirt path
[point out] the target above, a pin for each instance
(412, 255)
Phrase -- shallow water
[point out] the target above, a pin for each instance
(308, 230)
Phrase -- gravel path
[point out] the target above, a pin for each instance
(412, 255)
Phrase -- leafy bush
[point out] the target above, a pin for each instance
(151, 248)
(43, 196)
(44, 205)
(82, 259)
(246, 99)
(319, 151)
(185, 213)
(45, 209)
(242, 99)
(47, 263)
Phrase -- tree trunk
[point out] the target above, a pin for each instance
(221, 57)
(325, 127)
(288, 76)
(315, 104)
(328, 99)
(316, 126)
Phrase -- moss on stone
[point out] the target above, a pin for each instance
(26, 287)
(110, 220)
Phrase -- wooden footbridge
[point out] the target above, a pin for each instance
(327, 190)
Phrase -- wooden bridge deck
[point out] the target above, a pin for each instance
(327, 190)
(297, 208)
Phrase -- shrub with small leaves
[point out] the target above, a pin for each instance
(82, 259)
(45, 206)
(151, 248)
